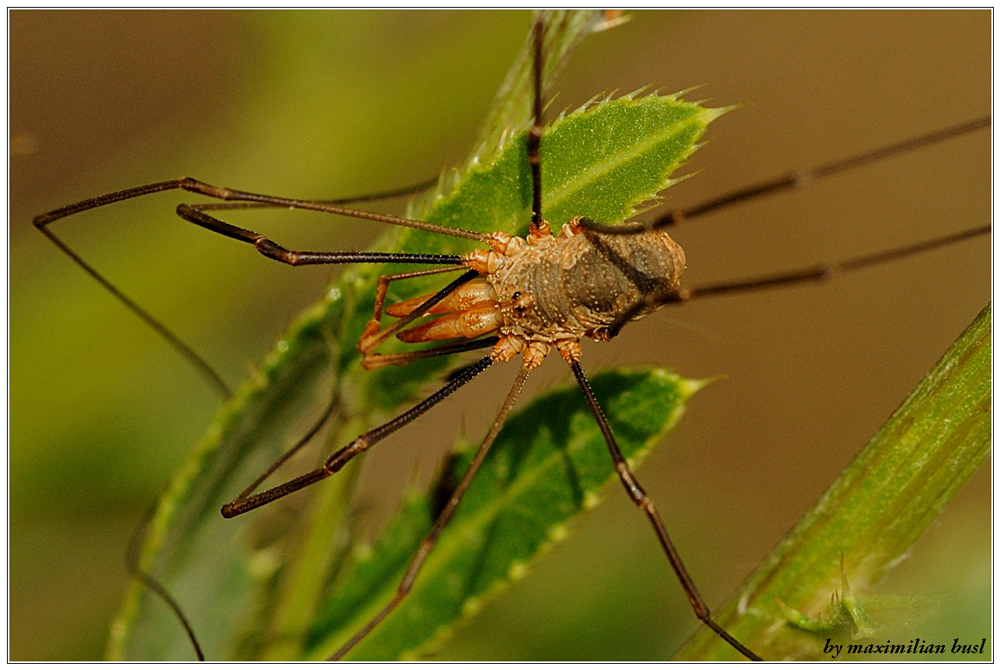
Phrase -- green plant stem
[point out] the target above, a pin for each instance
(303, 589)
(874, 511)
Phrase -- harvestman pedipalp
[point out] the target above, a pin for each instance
(650, 288)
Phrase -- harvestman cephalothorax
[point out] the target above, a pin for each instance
(602, 239)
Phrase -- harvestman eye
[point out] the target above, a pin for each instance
(467, 313)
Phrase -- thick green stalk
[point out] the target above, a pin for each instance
(872, 514)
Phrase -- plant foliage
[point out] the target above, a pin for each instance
(252, 586)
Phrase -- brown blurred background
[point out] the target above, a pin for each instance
(329, 104)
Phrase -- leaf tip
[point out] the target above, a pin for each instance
(684, 91)
(691, 386)
(710, 114)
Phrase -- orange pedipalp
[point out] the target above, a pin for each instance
(469, 323)
(473, 294)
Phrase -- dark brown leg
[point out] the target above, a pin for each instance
(535, 134)
(375, 361)
(789, 181)
(302, 441)
(372, 338)
(213, 378)
(384, 280)
(197, 361)
(449, 509)
(814, 273)
(228, 194)
(331, 407)
(151, 583)
(381, 195)
(245, 502)
(645, 503)
(295, 258)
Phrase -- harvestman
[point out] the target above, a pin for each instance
(521, 296)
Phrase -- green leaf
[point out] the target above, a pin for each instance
(873, 512)
(251, 586)
(544, 470)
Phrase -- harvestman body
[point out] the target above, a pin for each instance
(521, 296)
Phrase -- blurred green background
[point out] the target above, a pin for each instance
(326, 104)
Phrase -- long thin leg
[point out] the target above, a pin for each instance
(535, 134)
(244, 503)
(302, 441)
(197, 361)
(369, 197)
(384, 280)
(228, 194)
(824, 271)
(429, 541)
(375, 361)
(814, 273)
(132, 551)
(645, 503)
(213, 378)
(372, 338)
(151, 583)
(383, 360)
(789, 181)
(269, 248)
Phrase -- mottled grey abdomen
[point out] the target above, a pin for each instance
(573, 287)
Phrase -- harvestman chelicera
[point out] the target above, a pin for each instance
(521, 296)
